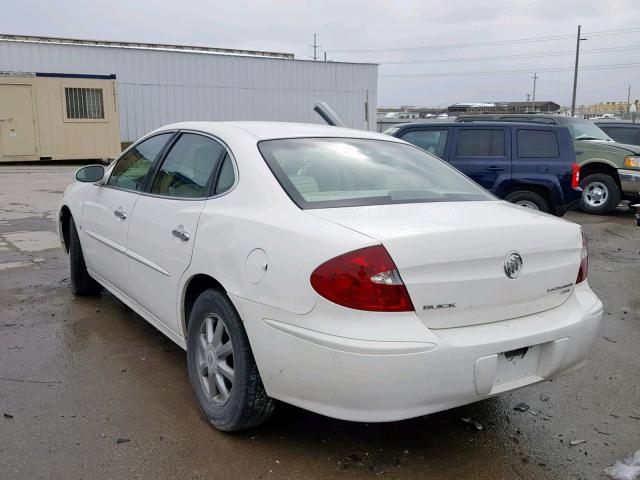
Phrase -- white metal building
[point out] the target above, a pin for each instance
(160, 84)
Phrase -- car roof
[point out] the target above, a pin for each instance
(525, 114)
(272, 130)
(485, 123)
(617, 121)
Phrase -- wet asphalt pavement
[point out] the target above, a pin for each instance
(88, 389)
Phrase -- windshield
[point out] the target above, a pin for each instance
(583, 129)
(346, 172)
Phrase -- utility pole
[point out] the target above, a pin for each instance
(315, 48)
(629, 100)
(533, 99)
(575, 73)
(325, 56)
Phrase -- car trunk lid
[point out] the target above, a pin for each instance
(451, 257)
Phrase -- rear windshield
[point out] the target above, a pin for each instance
(345, 172)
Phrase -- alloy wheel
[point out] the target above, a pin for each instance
(596, 194)
(215, 359)
(527, 204)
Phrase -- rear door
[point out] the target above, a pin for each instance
(107, 210)
(165, 221)
(483, 154)
(537, 155)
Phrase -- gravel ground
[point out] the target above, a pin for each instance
(88, 389)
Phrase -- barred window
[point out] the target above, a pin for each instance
(84, 103)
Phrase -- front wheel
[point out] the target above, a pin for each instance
(81, 282)
(222, 370)
(600, 194)
(527, 199)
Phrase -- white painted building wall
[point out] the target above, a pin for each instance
(157, 87)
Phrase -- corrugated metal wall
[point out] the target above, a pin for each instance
(160, 87)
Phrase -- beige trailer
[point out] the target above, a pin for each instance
(49, 116)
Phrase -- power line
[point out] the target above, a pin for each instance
(509, 57)
(612, 66)
(622, 31)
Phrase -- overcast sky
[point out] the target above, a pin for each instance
(347, 28)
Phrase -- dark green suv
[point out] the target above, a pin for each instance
(609, 171)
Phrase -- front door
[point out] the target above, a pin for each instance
(107, 211)
(104, 228)
(165, 221)
(17, 127)
(483, 154)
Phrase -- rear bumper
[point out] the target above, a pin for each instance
(402, 375)
(630, 182)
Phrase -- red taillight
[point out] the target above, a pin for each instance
(584, 262)
(365, 279)
(575, 176)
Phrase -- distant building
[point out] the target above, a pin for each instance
(503, 107)
(602, 108)
(406, 112)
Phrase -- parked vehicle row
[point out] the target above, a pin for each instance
(532, 166)
(341, 271)
(609, 171)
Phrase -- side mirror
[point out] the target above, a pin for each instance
(90, 173)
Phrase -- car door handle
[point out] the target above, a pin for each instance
(121, 214)
(494, 168)
(181, 234)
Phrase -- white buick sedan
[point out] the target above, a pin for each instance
(346, 272)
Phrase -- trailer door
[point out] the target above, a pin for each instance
(17, 128)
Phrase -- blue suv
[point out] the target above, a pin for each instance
(531, 165)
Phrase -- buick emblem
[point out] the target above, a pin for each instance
(513, 265)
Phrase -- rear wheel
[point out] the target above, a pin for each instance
(81, 282)
(600, 194)
(528, 199)
(222, 370)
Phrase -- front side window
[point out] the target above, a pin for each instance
(479, 142)
(188, 167)
(623, 134)
(345, 172)
(132, 168)
(537, 144)
(433, 141)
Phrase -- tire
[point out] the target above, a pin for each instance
(600, 194)
(229, 402)
(82, 285)
(528, 199)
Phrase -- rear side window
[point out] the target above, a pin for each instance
(537, 144)
(479, 142)
(226, 177)
(132, 168)
(188, 167)
(433, 141)
(623, 134)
